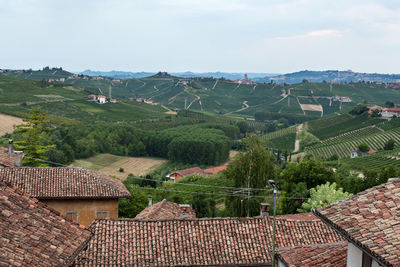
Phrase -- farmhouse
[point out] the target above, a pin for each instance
(80, 195)
(390, 112)
(101, 99)
(33, 234)
(369, 221)
(166, 210)
(215, 169)
(181, 173)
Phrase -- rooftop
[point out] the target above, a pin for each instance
(370, 220)
(327, 255)
(32, 234)
(190, 171)
(6, 160)
(211, 241)
(165, 210)
(64, 183)
(215, 169)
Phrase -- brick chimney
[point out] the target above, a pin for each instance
(264, 209)
(10, 147)
(150, 201)
(185, 208)
(18, 157)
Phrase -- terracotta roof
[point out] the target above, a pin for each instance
(371, 151)
(216, 169)
(6, 160)
(32, 234)
(190, 171)
(300, 217)
(165, 210)
(64, 183)
(327, 255)
(211, 241)
(370, 220)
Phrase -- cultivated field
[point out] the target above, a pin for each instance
(311, 107)
(110, 164)
(7, 123)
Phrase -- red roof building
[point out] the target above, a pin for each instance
(215, 169)
(370, 223)
(205, 242)
(79, 194)
(33, 234)
(166, 210)
(181, 173)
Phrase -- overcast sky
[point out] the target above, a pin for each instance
(205, 35)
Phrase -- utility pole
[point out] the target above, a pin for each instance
(272, 183)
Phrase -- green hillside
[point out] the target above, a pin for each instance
(223, 96)
(18, 96)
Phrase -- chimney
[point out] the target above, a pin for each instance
(150, 201)
(184, 210)
(10, 147)
(264, 209)
(19, 156)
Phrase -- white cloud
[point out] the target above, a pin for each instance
(313, 34)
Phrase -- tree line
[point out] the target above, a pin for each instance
(205, 144)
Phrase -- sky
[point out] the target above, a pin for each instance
(268, 36)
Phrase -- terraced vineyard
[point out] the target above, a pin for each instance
(340, 124)
(376, 161)
(282, 139)
(349, 142)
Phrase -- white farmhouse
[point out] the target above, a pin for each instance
(101, 99)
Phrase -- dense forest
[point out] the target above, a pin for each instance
(206, 143)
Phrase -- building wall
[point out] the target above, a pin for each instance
(86, 209)
(354, 256)
(281, 264)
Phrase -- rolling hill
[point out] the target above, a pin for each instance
(226, 97)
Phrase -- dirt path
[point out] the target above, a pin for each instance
(215, 84)
(246, 106)
(297, 142)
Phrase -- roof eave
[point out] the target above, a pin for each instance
(351, 240)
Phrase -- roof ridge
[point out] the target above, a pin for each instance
(313, 246)
(186, 220)
(157, 206)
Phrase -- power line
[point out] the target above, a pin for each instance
(202, 192)
(179, 183)
(202, 185)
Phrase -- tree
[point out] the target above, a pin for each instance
(363, 147)
(298, 178)
(31, 135)
(323, 195)
(243, 127)
(129, 208)
(389, 104)
(251, 169)
(376, 113)
(390, 144)
(204, 206)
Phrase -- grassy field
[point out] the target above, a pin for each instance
(110, 164)
(7, 123)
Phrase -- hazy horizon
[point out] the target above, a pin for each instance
(201, 36)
